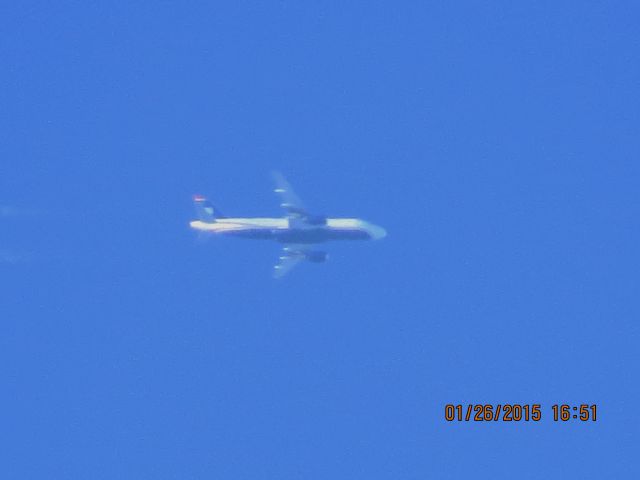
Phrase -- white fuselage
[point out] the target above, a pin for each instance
(287, 231)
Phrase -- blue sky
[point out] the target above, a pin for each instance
(497, 142)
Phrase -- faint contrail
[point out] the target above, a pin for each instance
(11, 256)
(7, 256)
(9, 211)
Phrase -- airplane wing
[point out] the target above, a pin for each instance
(291, 255)
(288, 198)
(296, 211)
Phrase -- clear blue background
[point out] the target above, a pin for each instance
(496, 141)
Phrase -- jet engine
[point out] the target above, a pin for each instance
(316, 220)
(316, 257)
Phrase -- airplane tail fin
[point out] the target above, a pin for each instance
(205, 210)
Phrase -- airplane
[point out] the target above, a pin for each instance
(299, 231)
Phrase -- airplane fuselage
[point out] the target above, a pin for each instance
(285, 230)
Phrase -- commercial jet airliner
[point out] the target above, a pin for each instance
(298, 231)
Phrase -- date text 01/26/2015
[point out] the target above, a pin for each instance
(516, 412)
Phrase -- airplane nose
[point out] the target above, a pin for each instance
(377, 232)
